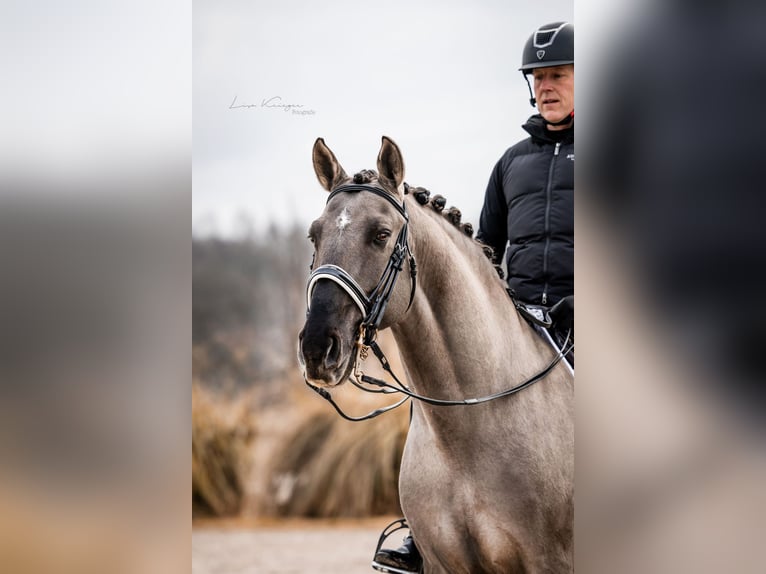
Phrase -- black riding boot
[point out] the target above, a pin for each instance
(404, 560)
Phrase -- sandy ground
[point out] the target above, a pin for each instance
(294, 547)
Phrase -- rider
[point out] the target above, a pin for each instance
(529, 203)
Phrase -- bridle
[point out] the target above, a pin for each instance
(373, 307)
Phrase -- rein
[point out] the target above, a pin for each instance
(403, 389)
(373, 307)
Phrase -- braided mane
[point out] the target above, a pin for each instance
(438, 204)
(453, 215)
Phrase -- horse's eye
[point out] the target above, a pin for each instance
(382, 236)
(313, 232)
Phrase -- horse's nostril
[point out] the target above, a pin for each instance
(333, 351)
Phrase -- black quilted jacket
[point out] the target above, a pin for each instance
(529, 206)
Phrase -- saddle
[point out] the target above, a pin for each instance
(535, 314)
(553, 324)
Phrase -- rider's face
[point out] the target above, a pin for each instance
(554, 90)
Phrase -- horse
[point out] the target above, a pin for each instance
(485, 487)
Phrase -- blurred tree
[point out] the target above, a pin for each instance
(247, 304)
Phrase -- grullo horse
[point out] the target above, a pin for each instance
(487, 486)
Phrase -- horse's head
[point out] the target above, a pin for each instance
(359, 238)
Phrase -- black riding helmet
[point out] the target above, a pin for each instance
(549, 45)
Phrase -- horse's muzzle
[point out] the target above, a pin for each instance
(326, 361)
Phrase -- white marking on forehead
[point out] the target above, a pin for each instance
(343, 219)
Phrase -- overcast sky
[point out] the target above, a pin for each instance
(440, 78)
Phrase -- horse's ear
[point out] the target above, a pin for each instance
(328, 170)
(390, 162)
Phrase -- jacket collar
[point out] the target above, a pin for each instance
(535, 127)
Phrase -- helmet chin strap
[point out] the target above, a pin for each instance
(532, 99)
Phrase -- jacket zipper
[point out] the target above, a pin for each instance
(547, 222)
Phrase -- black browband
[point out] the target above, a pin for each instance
(354, 187)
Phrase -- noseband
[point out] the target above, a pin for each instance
(372, 306)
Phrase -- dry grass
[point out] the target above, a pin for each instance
(326, 467)
(333, 468)
(308, 462)
(222, 433)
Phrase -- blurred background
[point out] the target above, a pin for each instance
(98, 398)
(670, 247)
(95, 200)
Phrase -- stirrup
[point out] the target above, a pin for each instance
(391, 569)
(400, 524)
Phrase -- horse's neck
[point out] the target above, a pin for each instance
(462, 336)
